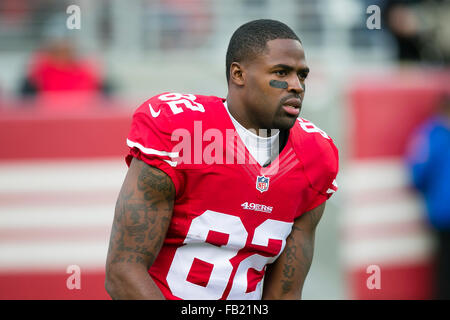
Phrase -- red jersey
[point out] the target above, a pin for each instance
(231, 216)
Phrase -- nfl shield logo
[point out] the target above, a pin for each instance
(262, 183)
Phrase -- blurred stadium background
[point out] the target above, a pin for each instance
(61, 149)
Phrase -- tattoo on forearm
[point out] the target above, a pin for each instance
(140, 222)
(288, 269)
(296, 265)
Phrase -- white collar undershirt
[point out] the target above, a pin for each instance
(261, 148)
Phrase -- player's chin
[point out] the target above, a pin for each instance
(285, 122)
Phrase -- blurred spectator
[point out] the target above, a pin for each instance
(420, 29)
(428, 160)
(403, 24)
(57, 68)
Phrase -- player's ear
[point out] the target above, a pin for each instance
(237, 74)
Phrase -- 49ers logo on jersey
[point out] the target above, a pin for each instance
(262, 183)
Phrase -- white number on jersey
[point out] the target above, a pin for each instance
(269, 229)
(196, 248)
(176, 100)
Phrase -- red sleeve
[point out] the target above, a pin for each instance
(150, 140)
(329, 172)
(320, 159)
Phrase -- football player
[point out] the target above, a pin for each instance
(222, 196)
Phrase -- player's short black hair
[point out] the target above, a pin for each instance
(250, 39)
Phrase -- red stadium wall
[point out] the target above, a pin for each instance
(39, 134)
(40, 140)
(384, 220)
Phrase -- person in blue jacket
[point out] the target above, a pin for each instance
(428, 161)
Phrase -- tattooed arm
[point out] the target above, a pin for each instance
(142, 215)
(285, 277)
